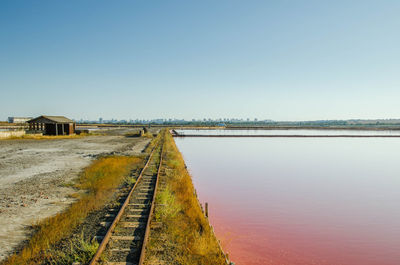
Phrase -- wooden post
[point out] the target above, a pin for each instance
(63, 129)
(56, 129)
(206, 209)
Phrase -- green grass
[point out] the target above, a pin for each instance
(79, 250)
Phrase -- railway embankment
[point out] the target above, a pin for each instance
(180, 232)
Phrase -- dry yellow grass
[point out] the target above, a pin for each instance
(153, 143)
(99, 180)
(138, 134)
(45, 137)
(185, 236)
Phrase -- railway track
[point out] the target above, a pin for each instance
(127, 231)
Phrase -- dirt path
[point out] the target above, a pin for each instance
(34, 178)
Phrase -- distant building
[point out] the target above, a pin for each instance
(52, 125)
(18, 119)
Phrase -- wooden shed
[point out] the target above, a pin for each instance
(52, 125)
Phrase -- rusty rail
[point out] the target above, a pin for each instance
(107, 237)
(147, 231)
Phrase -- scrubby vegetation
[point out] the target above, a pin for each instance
(45, 137)
(140, 134)
(185, 236)
(99, 181)
(79, 250)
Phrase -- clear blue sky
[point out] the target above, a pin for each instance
(281, 60)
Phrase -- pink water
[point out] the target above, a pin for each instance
(300, 201)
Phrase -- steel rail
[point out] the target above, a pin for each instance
(147, 231)
(107, 236)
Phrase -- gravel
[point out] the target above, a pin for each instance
(36, 177)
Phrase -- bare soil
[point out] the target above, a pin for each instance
(36, 177)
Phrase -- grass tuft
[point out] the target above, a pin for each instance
(79, 251)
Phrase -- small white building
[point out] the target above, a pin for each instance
(18, 119)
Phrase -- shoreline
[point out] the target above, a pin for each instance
(184, 234)
(291, 136)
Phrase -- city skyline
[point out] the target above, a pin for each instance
(280, 60)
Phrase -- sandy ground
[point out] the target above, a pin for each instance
(34, 177)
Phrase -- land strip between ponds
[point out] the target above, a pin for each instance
(180, 232)
(126, 236)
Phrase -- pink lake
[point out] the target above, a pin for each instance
(297, 201)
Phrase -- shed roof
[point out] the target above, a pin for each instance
(55, 119)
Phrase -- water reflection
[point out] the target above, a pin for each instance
(301, 201)
(288, 132)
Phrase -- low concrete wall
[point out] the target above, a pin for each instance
(9, 134)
